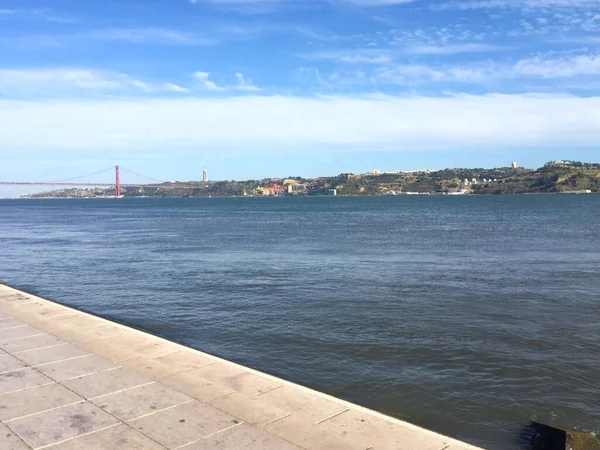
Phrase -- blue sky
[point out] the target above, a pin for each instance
(256, 88)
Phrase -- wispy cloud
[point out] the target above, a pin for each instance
(451, 49)
(519, 4)
(204, 82)
(365, 56)
(19, 83)
(155, 36)
(545, 66)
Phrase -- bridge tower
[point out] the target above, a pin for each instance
(117, 182)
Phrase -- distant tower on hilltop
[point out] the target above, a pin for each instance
(205, 175)
(514, 165)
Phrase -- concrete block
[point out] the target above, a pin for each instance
(107, 382)
(237, 379)
(30, 343)
(9, 363)
(110, 348)
(35, 400)
(250, 409)
(166, 365)
(240, 437)
(113, 438)
(10, 441)
(61, 424)
(101, 332)
(183, 424)
(51, 354)
(74, 368)
(367, 430)
(196, 386)
(21, 379)
(139, 401)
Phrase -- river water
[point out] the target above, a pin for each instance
(468, 315)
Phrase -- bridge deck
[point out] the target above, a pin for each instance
(70, 381)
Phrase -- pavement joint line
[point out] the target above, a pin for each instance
(88, 374)
(22, 337)
(241, 422)
(121, 390)
(14, 370)
(266, 392)
(94, 373)
(41, 348)
(12, 328)
(45, 411)
(77, 437)
(332, 416)
(274, 420)
(30, 387)
(160, 410)
(62, 360)
(34, 349)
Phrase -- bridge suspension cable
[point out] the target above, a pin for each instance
(156, 180)
(82, 176)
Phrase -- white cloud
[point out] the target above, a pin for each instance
(145, 36)
(515, 4)
(351, 57)
(7, 11)
(546, 66)
(206, 82)
(243, 83)
(267, 122)
(451, 49)
(59, 82)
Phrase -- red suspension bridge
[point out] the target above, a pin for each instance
(74, 182)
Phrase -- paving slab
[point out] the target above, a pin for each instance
(35, 400)
(240, 437)
(184, 424)
(30, 343)
(10, 441)
(8, 363)
(10, 323)
(48, 355)
(21, 379)
(61, 424)
(118, 437)
(18, 331)
(73, 368)
(139, 401)
(107, 382)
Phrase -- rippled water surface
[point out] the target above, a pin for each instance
(468, 315)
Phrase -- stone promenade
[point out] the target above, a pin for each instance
(73, 381)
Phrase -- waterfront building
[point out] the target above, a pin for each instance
(205, 175)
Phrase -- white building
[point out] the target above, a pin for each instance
(205, 175)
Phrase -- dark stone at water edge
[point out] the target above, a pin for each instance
(552, 438)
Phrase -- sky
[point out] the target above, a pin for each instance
(259, 88)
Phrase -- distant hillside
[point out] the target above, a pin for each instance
(554, 177)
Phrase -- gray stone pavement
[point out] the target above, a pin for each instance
(72, 381)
